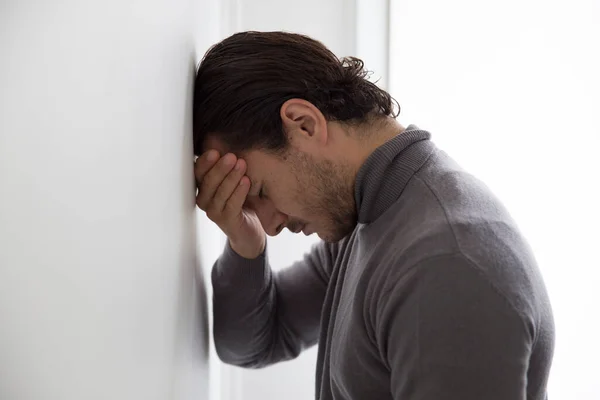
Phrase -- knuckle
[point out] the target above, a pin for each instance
(212, 214)
(201, 199)
(201, 189)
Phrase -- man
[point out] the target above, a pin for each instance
(422, 286)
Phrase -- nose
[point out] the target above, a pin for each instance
(272, 220)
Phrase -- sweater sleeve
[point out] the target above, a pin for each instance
(447, 333)
(262, 317)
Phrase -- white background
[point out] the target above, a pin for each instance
(511, 90)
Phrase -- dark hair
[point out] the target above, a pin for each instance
(243, 81)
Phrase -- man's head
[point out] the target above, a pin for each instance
(298, 116)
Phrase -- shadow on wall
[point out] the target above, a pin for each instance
(192, 331)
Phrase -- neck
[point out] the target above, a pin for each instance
(369, 138)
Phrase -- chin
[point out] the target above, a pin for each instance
(328, 238)
(335, 235)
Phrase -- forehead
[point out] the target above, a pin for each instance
(256, 160)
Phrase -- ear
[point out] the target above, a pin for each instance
(304, 124)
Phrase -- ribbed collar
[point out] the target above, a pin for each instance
(384, 175)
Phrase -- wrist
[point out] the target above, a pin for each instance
(248, 251)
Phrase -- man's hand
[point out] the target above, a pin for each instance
(222, 192)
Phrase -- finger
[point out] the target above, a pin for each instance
(213, 178)
(236, 201)
(228, 185)
(204, 163)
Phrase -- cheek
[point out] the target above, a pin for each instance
(291, 202)
(293, 197)
(290, 205)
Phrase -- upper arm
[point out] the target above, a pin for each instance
(448, 333)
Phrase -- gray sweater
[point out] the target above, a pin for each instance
(434, 296)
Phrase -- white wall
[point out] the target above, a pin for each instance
(99, 292)
(512, 90)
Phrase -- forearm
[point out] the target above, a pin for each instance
(243, 305)
(261, 317)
